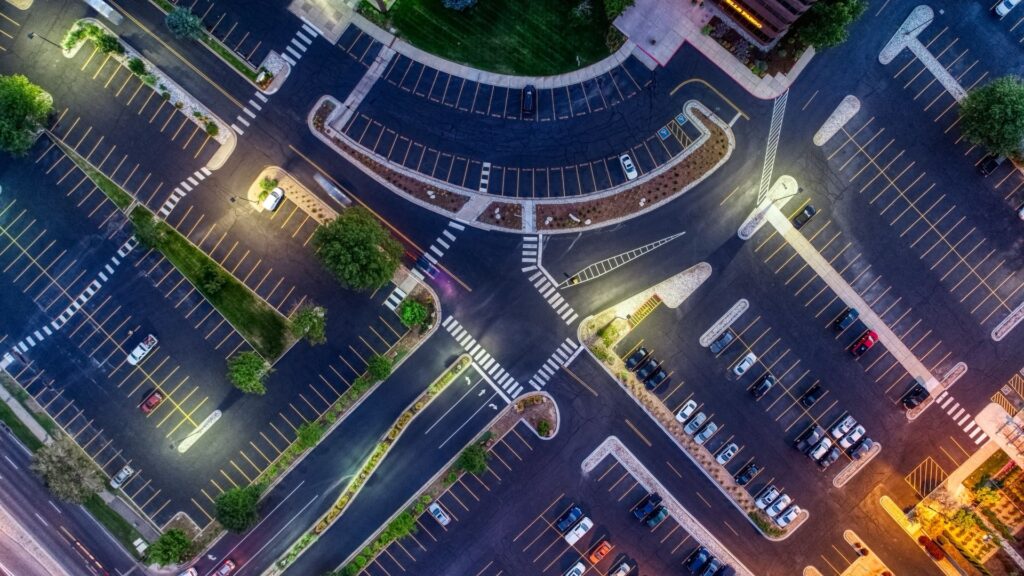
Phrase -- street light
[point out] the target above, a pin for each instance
(33, 35)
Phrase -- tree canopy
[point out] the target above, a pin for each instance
(67, 471)
(184, 24)
(238, 508)
(170, 548)
(993, 115)
(310, 322)
(357, 250)
(247, 371)
(23, 111)
(825, 23)
(473, 459)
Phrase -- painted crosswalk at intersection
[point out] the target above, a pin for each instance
(487, 364)
(963, 418)
(564, 354)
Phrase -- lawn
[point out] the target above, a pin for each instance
(523, 37)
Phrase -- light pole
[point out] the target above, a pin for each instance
(33, 35)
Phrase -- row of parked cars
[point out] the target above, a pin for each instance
(647, 368)
(574, 525)
(701, 562)
(824, 448)
(777, 505)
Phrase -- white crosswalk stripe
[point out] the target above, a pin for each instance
(564, 354)
(486, 363)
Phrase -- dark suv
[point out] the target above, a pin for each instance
(812, 395)
(804, 216)
(569, 518)
(989, 164)
(657, 379)
(646, 506)
(762, 386)
(744, 476)
(848, 317)
(697, 559)
(647, 369)
(636, 358)
(915, 397)
(808, 439)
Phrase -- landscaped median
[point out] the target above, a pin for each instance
(372, 462)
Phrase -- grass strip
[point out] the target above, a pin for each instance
(228, 55)
(18, 428)
(262, 326)
(117, 195)
(118, 527)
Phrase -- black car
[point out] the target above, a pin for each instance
(831, 456)
(636, 358)
(712, 568)
(656, 517)
(915, 397)
(858, 450)
(647, 369)
(721, 342)
(657, 379)
(989, 164)
(646, 506)
(569, 518)
(762, 386)
(697, 559)
(844, 320)
(812, 395)
(804, 216)
(808, 439)
(529, 100)
(744, 476)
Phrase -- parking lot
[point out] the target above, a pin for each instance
(10, 25)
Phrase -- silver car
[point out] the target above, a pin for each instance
(686, 411)
(778, 506)
(696, 423)
(725, 455)
(121, 477)
(745, 364)
(788, 516)
(767, 497)
(439, 514)
(628, 167)
(843, 427)
(706, 433)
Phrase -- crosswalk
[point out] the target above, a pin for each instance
(778, 112)
(530, 253)
(440, 245)
(182, 190)
(562, 355)
(483, 359)
(961, 416)
(550, 293)
(395, 299)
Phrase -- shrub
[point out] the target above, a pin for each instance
(137, 66)
(450, 478)
(308, 435)
(108, 44)
(267, 184)
(379, 367)
(148, 78)
(612, 8)
(473, 459)
(310, 322)
(413, 313)
(170, 548)
(608, 334)
(211, 279)
(23, 111)
(544, 428)
(211, 128)
(184, 24)
(247, 371)
(238, 508)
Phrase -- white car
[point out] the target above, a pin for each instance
(143, 348)
(121, 477)
(706, 433)
(788, 516)
(1020, 213)
(439, 514)
(189, 572)
(622, 569)
(778, 506)
(686, 411)
(579, 530)
(843, 427)
(696, 423)
(745, 364)
(820, 449)
(1004, 7)
(273, 199)
(725, 455)
(628, 167)
(577, 570)
(766, 498)
(852, 438)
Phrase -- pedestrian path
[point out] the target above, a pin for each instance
(607, 265)
(395, 299)
(543, 282)
(482, 358)
(440, 245)
(964, 419)
(562, 356)
(778, 112)
(182, 190)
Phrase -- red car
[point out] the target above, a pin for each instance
(151, 402)
(864, 343)
(226, 568)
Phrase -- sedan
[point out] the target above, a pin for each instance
(762, 386)
(273, 200)
(569, 518)
(439, 514)
(628, 167)
(804, 216)
(647, 369)
(646, 506)
(859, 450)
(686, 411)
(637, 358)
(744, 476)
(850, 439)
(721, 342)
(778, 506)
(706, 433)
(820, 449)
(843, 427)
(767, 497)
(657, 379)
(577, 569)
(151, 402)
(726, 454)
(788, 516)
(864, 343)
(745, 364)
(657, 518)
(812, 395)
(696, 423)
(226, 568)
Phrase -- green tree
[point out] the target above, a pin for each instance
(248, 371)
(413, 313)
(310, 322)
(184, 24)
(993, 116)
(23, 110)
(238, 508)
(108, 43)
(267, 185)
(825, 24)
(379, 367)
(150, 232)
(67, 471)
(965, 519)
(137, 66)
(211, 279)
(473, 459)
(309, 434)
(986, 496)
(170, 548)
(357, 250)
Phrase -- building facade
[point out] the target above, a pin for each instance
(763, 22)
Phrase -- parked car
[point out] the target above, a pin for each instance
(788, 516)
(768, 495)
(746, 474)
(1004, 7)
(812, 395)
(844, 320)
(686, 411)
(569, 518)
(843, 427)
(622, 569)
(743, 365)
(809, 438)
(915, 397)
(990, 163)
(121, 477)
(273, 200)
(226, 568)
(697, 559)
(727, 453)
(636, 358)
(712, 568)
(577, 569)
(721, 342)
(628, 167)
(830, 457)
(778, 506)
(1020, 213)
(648, 368)
(151, 402)
(189, 572)
(696, 423)
(861, 448)
(600, 552)
(804, 216)
(820, 449)
(646, 506)
(864, 343)
(706, 433)
(657, 379)
(579, 530)
(762, 386)
(852, 437)
(529, 100)
(142, 349)
(657, 517)
(439, 514)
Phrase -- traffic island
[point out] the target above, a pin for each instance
(273, 177)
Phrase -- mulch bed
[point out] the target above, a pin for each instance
(663, 187)
(444, 199)
(511, 215)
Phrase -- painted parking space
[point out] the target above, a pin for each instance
(226, 27)
(10, 25)
(359, 45)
